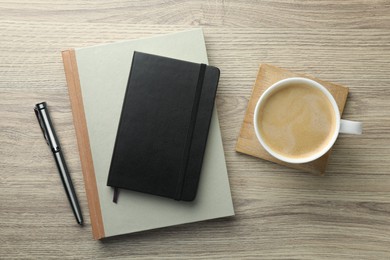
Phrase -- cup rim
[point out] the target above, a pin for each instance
(311, 83)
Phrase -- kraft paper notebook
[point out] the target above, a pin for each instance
(97, 78)
(163, 127)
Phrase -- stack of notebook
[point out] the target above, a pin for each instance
(108, 102)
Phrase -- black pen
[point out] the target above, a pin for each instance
(51, 139)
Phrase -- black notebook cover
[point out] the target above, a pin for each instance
(163, 126)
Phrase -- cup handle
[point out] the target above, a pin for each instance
(350, 127)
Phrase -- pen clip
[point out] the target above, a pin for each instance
(41, 125)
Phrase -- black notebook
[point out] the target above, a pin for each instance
(163, 127)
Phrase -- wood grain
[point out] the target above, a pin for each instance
(357, 14)
(280, 213)
(247, 142)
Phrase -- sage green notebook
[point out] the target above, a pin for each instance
(97, 79)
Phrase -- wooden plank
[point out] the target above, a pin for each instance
(357, 14)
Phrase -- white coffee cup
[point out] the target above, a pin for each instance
(342, 126)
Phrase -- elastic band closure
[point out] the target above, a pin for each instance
(194, 112)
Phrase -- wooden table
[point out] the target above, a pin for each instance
(280, 213)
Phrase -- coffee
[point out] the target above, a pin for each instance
(296, 120)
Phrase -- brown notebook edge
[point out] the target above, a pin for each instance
(80, 124)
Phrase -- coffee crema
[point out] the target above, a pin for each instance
(296, 120)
